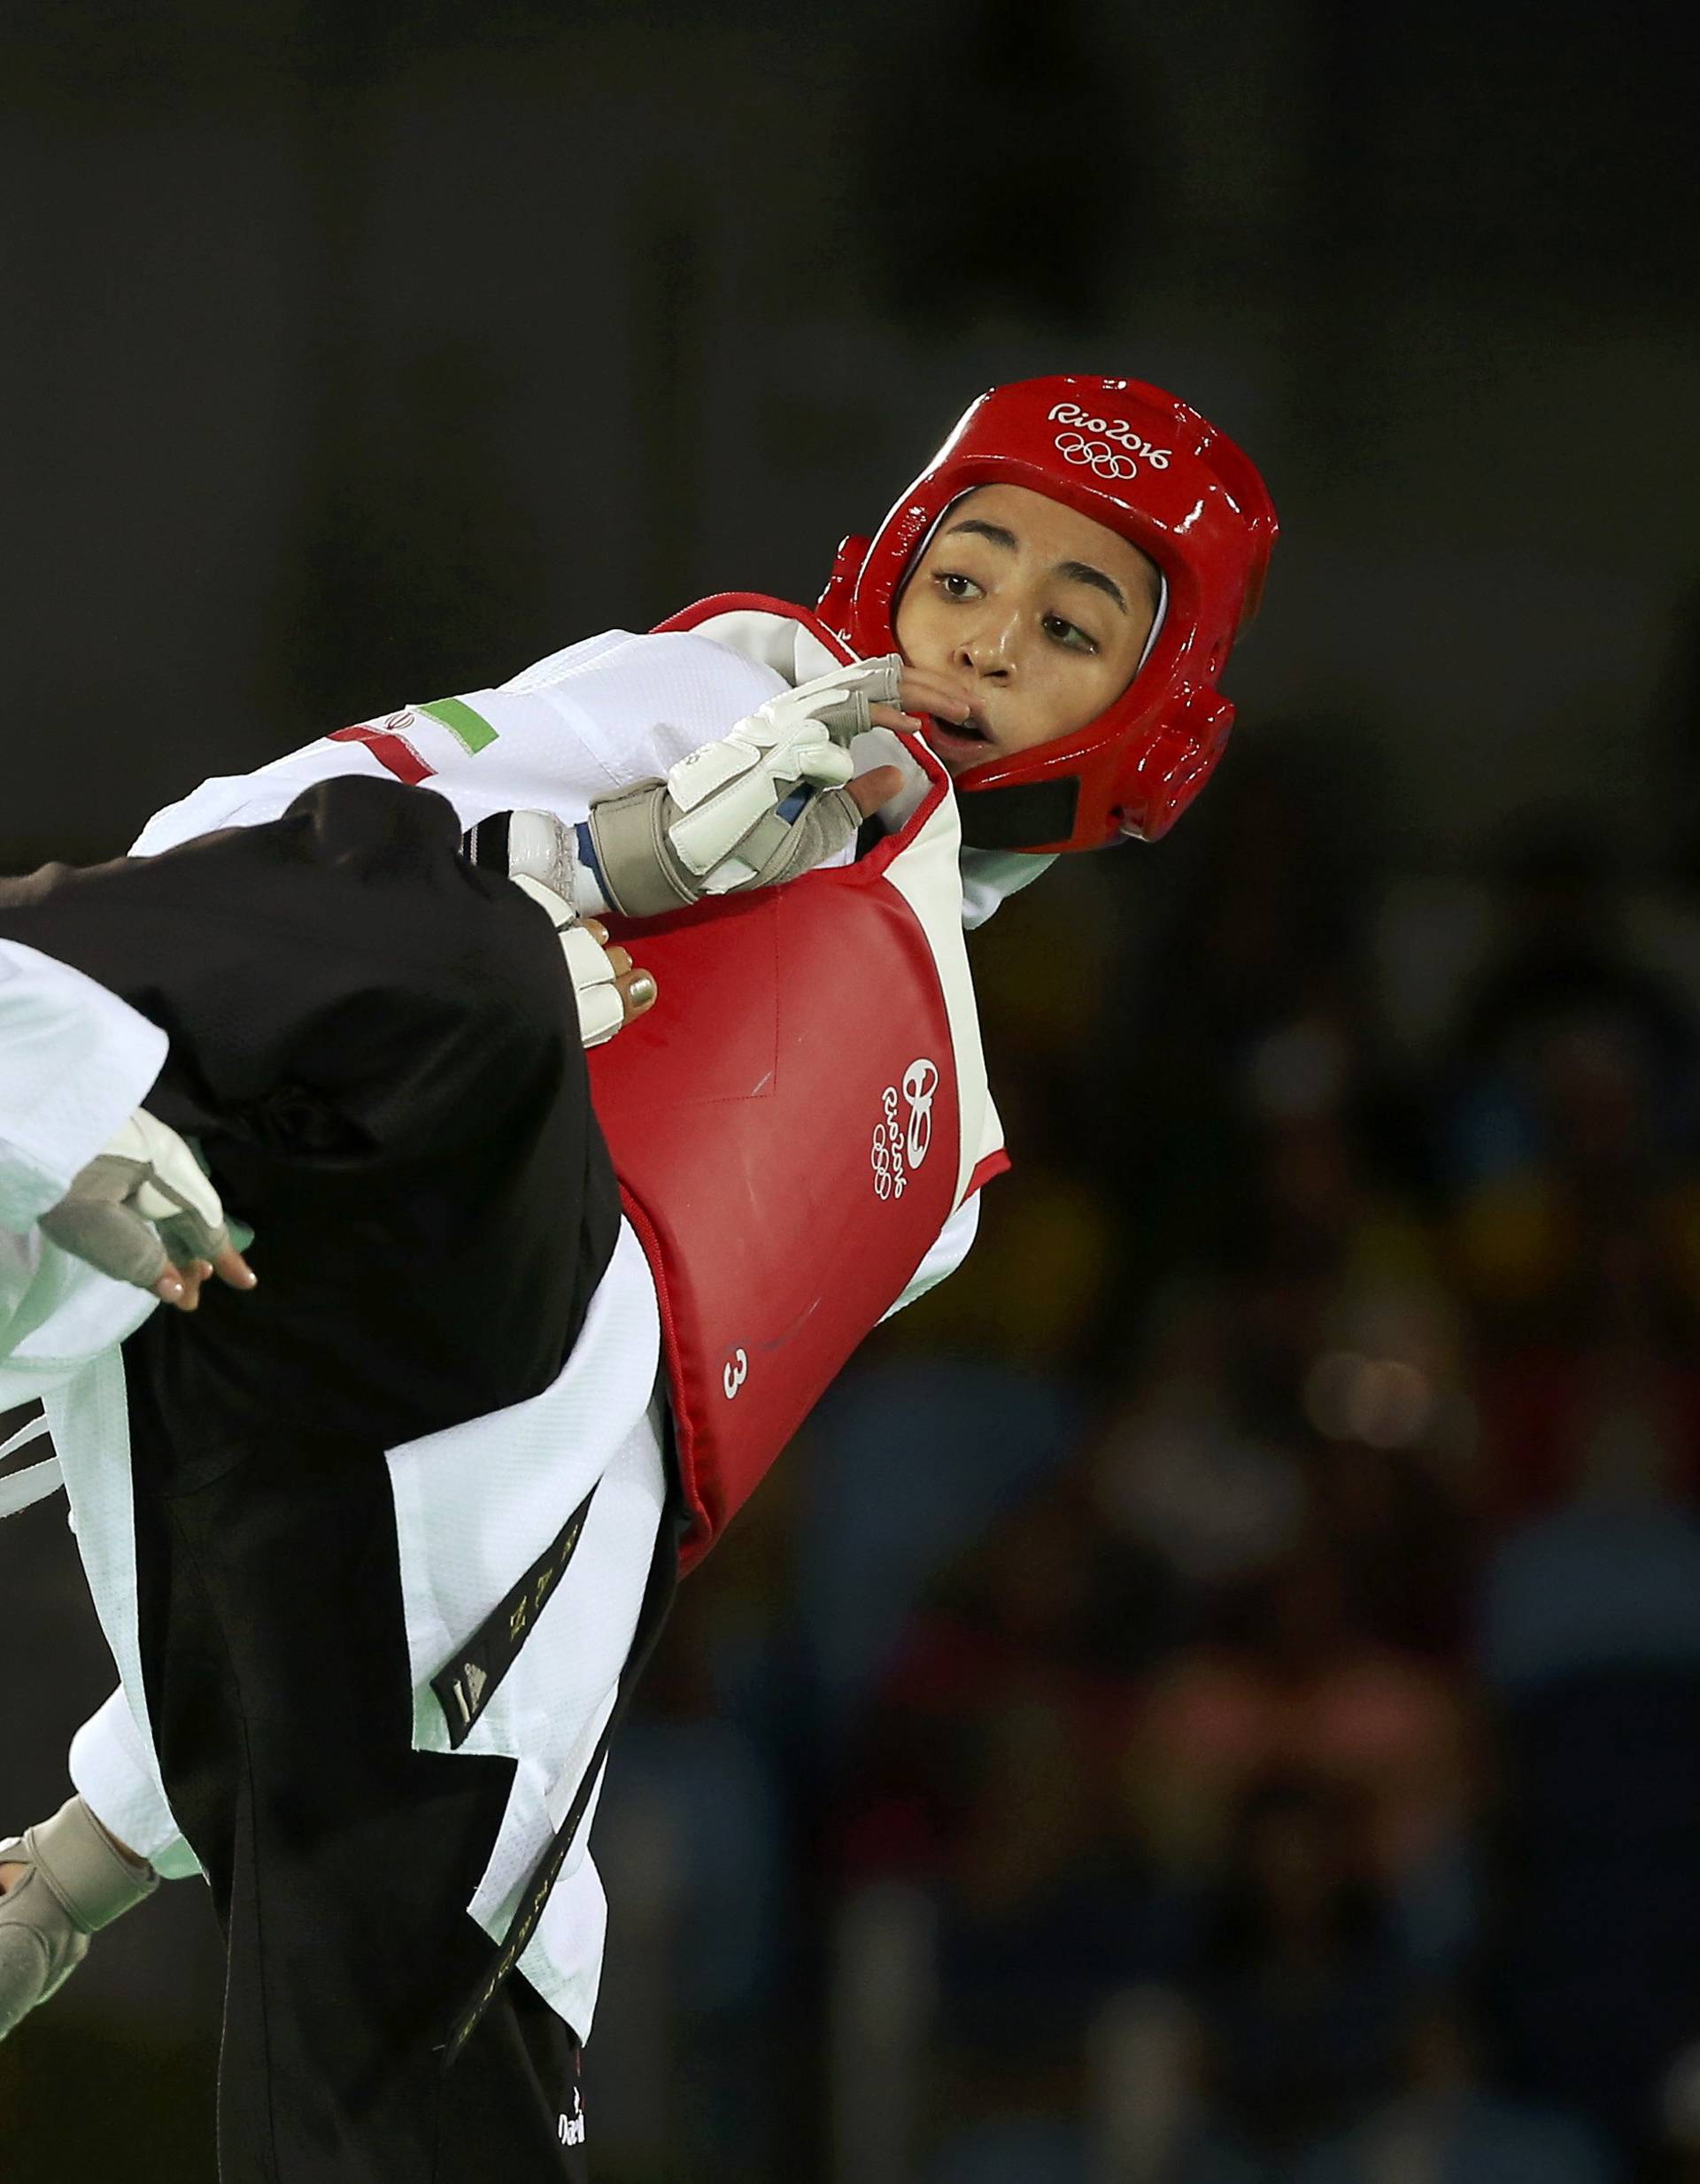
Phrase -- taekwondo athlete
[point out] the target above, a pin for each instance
(1106, 498)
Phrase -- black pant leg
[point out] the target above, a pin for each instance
(340, 1859)
(518, 2077)
(378, 1046)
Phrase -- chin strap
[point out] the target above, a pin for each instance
(1019, 815)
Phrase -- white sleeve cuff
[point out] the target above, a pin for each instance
(112, 1770)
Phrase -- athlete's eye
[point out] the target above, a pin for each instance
(1070, 634)
(954, 585)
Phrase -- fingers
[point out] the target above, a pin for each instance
(874, 787)
(233, 1269)
(637, 990)
(181, 1286)
(636, 987)
(923, 691)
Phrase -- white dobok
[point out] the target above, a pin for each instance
(475, 1504)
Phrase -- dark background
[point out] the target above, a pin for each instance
(1216, 1698)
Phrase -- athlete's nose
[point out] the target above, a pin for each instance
(987, 652)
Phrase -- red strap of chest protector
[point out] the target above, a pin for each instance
(786, 1127)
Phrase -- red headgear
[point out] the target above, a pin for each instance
(1152, 469)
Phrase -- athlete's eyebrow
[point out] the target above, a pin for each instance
(1084, 572)
(1073, 572)
(995, 532)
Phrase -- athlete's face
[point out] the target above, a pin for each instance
(1038, 613)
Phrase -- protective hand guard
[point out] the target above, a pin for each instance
(141, 1205)
(75, 1881)
(541, 861)
(715, 825)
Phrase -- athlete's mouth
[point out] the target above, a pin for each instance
(971, 730)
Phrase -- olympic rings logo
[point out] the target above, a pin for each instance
(1102, 457)
(891, 1179)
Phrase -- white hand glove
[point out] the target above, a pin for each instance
(714, 825)
(141, 1205)
(540, 860)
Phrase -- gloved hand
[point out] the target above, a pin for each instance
(142, 1211)
(715, 824)
(69, 1881)
(536, 853)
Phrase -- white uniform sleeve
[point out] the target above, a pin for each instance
(75, 1062)
(946, 1255)
(616, 709)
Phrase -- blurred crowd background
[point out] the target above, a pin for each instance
(1214, 1696)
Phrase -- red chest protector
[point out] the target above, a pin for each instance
(791, 1126)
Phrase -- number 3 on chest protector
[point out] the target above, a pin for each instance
(736, 1372)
